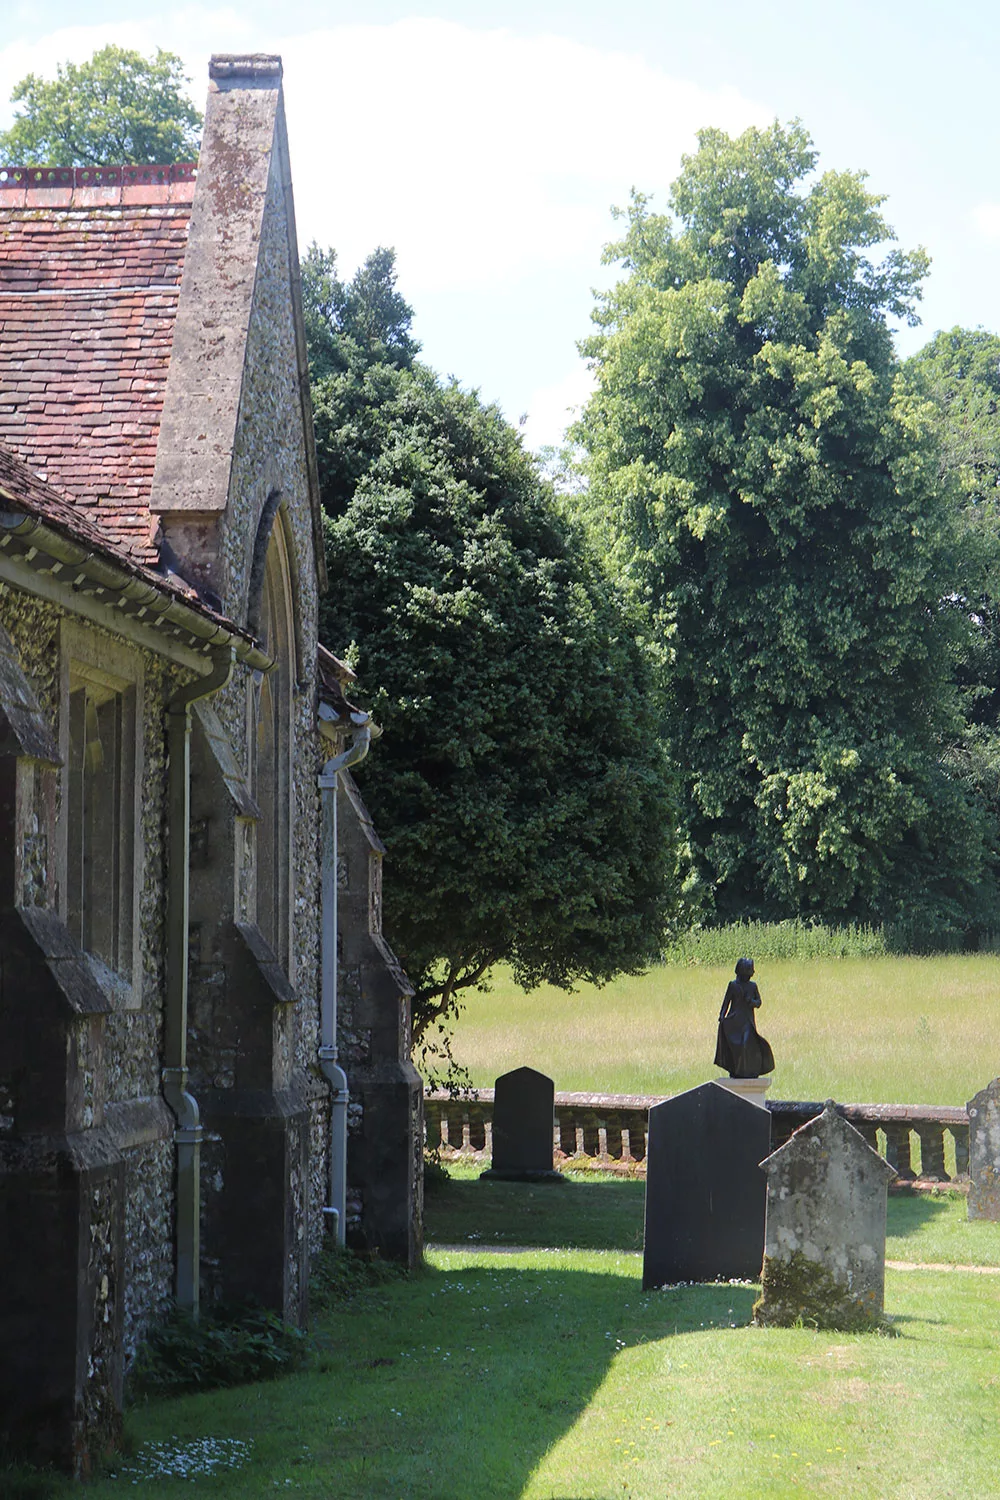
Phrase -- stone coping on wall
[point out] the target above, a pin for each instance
(944, 1113)
(925, 1143)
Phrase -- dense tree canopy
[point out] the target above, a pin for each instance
(960, 370)
(520, 785)
(117, 108)
(770, 486)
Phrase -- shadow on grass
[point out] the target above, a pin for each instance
(594, 1213)
(475, 1372)
(603, 1214)
(910, 1212)
(452, 1384)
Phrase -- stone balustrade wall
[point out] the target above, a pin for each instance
(926, 1141)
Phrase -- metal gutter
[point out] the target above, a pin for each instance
(38, 558)
(329, 780)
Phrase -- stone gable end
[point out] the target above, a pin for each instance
(236, 442)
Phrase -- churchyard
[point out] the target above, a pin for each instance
(524, 1361)
(547, 1374)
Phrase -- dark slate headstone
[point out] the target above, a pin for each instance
(523, 1127)
(705, 1191)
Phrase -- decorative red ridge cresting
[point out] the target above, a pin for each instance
(77, 177)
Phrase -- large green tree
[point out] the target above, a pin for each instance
(769, 484)
(960, 370)
(520, 785)
(119, 107)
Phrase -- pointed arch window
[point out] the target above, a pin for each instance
(272, 746)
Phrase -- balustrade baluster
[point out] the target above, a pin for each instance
(638, 1135)
(451, 1119)
(931, 1137)
(897, 1147)
(477, 1128)
(591, 1128)
(960, 1135)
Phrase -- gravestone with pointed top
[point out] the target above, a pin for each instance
(704, 1188)
(824, 1242)
(984, 1153)
(524, 1113)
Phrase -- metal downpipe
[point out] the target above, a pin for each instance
(336, 1210)
(188, 1135)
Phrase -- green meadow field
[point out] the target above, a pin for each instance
(885, 1030)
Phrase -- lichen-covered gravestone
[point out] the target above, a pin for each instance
(984, 1153)
(704, 1188)
(824, 1242)
(524, 1109)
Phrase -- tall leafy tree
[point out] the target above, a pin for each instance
(769, 485)
(520, 785)
(118, 107)
(960, 370)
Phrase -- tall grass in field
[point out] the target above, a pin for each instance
(882, 1029)
(797, 939)
(717, 945)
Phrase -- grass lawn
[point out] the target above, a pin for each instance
(553, 1375)
(550, 1375)
(873, 1030)
(594, 1210)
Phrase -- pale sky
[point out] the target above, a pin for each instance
(488, 141)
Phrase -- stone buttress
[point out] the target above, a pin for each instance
(62, 1204)
(385, 1141)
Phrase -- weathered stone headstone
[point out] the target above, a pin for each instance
(984, 1153)
(704, 1188)
(524, 1114)
(824, 1244)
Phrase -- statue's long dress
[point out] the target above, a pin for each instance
(740, 1048)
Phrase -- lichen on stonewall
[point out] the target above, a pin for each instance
(798, 1290)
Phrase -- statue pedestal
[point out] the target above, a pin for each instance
(753, 1089)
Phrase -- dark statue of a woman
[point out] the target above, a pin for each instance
(740, 1048)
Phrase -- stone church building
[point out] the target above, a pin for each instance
(190, 898)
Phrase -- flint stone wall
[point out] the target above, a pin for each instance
(136, 1120)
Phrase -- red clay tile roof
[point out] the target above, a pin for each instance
(89, 280)
(23, 492)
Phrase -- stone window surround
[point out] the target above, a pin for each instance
(89, 657)
(273, 606)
